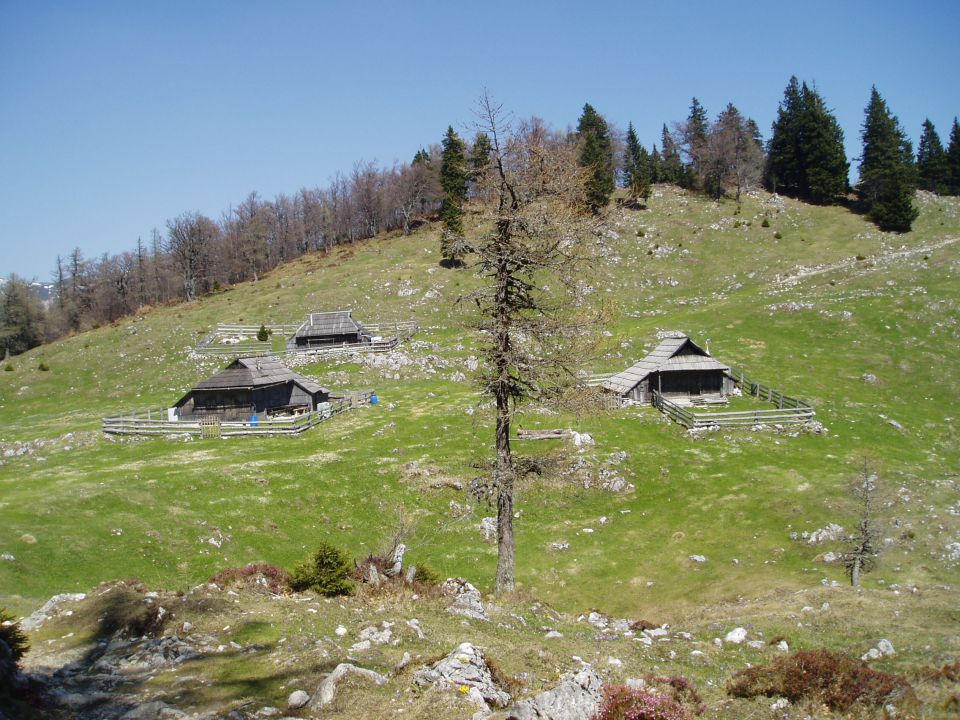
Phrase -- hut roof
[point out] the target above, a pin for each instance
(673, 354)
(254, 372)
(338, 322)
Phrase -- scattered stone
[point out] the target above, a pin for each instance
(757, 644)
(578, 696)
(698, 558)
(297, 699)
(340, 631)
(8, 557)
(736, 636)
(553, 634)
(870, 378)
(826, 534)
(489, 527)
(464, 667)
(466, 599)
(328, 688)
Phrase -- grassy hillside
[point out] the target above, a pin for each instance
(819, 304)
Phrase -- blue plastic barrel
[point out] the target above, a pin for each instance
(374, 399)
(253, 421)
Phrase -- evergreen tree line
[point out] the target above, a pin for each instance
(196, 255)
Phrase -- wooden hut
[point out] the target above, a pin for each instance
(679, 369)
(330, 328)
(251, 386)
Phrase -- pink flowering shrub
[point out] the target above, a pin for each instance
(623, 703)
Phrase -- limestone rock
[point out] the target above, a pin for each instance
(46, 611)
(578, 695)
(466, 599)
(297, 699)
(328, 688)
(464, 667)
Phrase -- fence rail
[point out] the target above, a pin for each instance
(790, 411)
(144, 423)
(399, 331)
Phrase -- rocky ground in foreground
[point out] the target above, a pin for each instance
(397, 650)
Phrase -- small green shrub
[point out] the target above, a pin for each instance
(8, 367)
(263, 334)
(216, 286)
(326, 571)
(426, 575)
(777, 235)
(765, 223)
(641, 232)
(43, 367)
(833, 679)
(13, 636)
(861, 258)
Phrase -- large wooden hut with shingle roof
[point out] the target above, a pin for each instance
(251, 386)
(329, 328)
(677, 368)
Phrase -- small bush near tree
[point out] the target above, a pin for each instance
(623, 703)
(256, 576)
(43, 367)
(765, 223)
(326, 571)
(836, 680)
(426, 575)
(263, 334)
(13, 636)
(8, 367)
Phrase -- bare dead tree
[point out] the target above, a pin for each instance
(539, 236)
(864, 544)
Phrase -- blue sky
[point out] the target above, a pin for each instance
(115, 117)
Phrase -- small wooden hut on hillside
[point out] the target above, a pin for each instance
(677, 368)
(330, 328)
(251, 386)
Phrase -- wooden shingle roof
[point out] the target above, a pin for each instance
(672, 354)
(254, 372)
(338, 322)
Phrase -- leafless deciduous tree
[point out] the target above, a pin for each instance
(861, 557)
(538, 236)
(190, 239)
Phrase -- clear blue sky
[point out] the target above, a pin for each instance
(115, 117)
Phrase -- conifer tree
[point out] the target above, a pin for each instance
(953, 158)
(596, 153)
(805, 155)
(636, 166)
(671, 168)
(823, 158)
(454, 177)
(694, 132)
(480, 155)
(656, 166)
(933, 172)
(887, 172)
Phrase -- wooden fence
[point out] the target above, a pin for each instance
(155, 422)
(399, 331)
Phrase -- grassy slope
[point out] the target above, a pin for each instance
(733, 496)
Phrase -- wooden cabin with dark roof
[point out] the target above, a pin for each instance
(678, 369)
(324, 329)
(251, 386)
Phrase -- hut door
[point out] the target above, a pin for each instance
(209, 426)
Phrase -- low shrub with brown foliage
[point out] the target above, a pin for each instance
(681, 690)
(624, 703)
(255, 576)
(836, 680)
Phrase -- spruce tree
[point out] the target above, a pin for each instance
(695, 135)
(454, 177)
(480, 155)
(656, 166)
(823, 158)
(933, 172)
(671, 168)
(887, 173)
(953, 159)
(596, 153)
(805, 155)
(636, 166)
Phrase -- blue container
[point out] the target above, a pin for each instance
(253, 421)
(374, 399)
